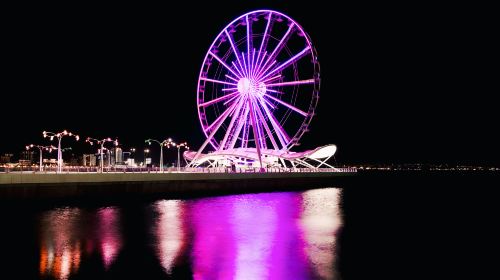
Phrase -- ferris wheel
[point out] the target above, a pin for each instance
(258, 86)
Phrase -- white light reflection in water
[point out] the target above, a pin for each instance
(60, 250)
(320, 220)
(169, 232)
(109, 234)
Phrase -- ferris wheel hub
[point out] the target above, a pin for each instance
(252, 87)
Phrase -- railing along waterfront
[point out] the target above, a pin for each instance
(120, 169)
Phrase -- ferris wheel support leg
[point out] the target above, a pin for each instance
(254, 128)
(217, 126)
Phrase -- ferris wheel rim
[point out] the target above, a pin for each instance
(315, 92)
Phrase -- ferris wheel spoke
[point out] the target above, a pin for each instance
(231, 123)
(258, 66)
(310, 81)
(241, 122)
(255, 133)
(280, 132)
(218, 81)
(229, 89)
(238, 70)
(267, 102)
(216, 100)
(263, 43)
(230, 38)
(231, 99)
(221, 118)
(244, 137)
(249, 45)
(278, 47)
(270, 79)
(231, 77)
(217, 123)
(224, 64)
(245, 65)
(266, 127)
(287, 63)
(287, 105)
(260, 130)
(262, 71)
(253, 63)
(275, 91)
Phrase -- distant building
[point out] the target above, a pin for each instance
(6, 158)
(24, 162)
(26, 156)
(118, 155)
(50, 162)
(89, 160)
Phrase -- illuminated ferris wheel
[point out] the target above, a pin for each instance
(258, 86)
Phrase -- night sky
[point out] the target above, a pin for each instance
(411, 83)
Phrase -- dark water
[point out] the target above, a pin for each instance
(382, 227)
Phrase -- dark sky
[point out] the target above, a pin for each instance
(400, 83)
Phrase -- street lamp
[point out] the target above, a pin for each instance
(162, 143)
(173, 144)
(101, 142)
(41, 148)
(59, 136)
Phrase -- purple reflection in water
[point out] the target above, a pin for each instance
(109, 235)
(255, 236)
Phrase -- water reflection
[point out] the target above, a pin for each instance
(169, 232)
(109, 234)
(65, 232)
(320, 222)
(60, 251)
(289, 235)
(255, 236)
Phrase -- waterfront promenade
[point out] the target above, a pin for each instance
(81, 184)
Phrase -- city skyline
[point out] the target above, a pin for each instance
(395, 86)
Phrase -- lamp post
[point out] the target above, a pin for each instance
(162, 143)
(101, 142)
(173, 144)
(59, 136)
(41, 148)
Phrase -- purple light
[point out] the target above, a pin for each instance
(217, 81)
(249, 76)
(224, 97)
(287, 63)
(278, 47)
(235, 52)
(310, 81)
(286, 105)
(223, 63)
(254, 236)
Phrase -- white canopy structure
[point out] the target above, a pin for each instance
(270, 158)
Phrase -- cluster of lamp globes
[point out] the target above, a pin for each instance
(167, 143)
(51, 135)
